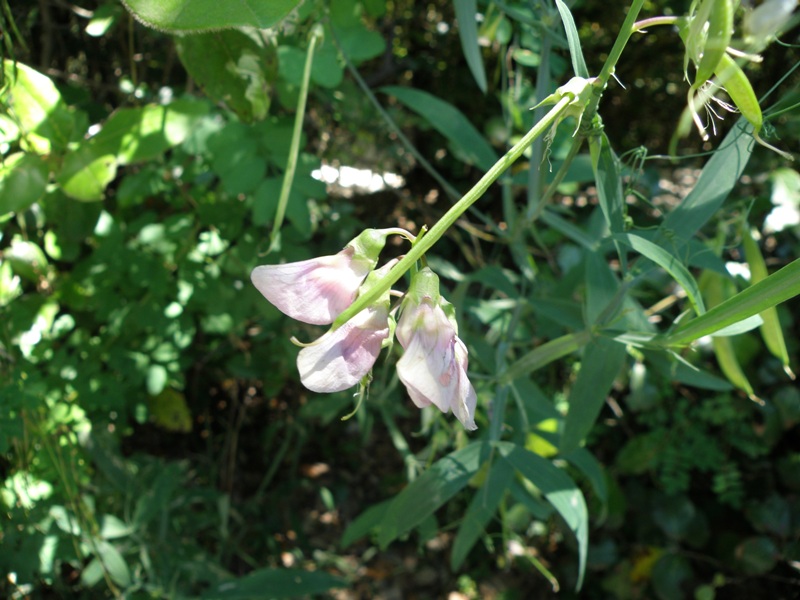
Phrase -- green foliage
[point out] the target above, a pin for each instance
(154, 438)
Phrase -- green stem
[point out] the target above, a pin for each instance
(645, 23)
(625, 33)
(294, 149)
(451, 216)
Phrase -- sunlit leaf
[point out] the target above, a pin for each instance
(205, 15)
(23, 181)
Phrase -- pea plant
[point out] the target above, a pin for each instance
(526, 348)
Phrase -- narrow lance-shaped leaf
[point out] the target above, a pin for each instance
(559, 489)
(669, 263)
(545, 354)
(771, 327)
(605, 165)
(450, 122)
(716, 288)
(429, 491)
(716, 181)
(575, 52)
(602, 360)
(468, 33)
(483, 505)
(777, 288)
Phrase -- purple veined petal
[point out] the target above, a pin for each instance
(434, 365)
(342, 357)
(420, 377)
(465, 400)
(313, 291)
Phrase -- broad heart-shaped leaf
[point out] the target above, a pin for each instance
(86, 172)
(207, 15)
(274, 583)
(130, 135)
(138, 134)
(423, 496)
(467, 141)
(47, 123)
(468, 34)
(601, 362)
(23, 181)
(483, 506)
(558, 488)
(669, 263)
(233, 67)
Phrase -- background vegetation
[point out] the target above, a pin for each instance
(155, 441)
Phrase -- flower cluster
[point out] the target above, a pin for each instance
(434, 363)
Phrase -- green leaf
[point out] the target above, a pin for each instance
(716, 181)
(205, 15)
(86, 172)
(140, 134)
(156, 379)
(669, 263)
(757, 555)
(568, 229)
(669, 574)
(575, 52)
(23, 181)
(605, 166)
(367, 521)
(602, 288)
(130, 135)
(274, 583)
(559, 490)
(675, 368)
(103, 19)
(545, 354)
(325, 70)
(357, 42)
(483, 505)
(26, 259)
(468, 34)
(602, 360)
(468, 143)
(113, 563)
(591, 468)
(35, 104)
(778, 287)
(233, 67)
(422, 497)
(538, 508)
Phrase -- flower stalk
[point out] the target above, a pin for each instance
(426, 242)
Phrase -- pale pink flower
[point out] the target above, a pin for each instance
(342, 357)
(318, 290)
(434, 365)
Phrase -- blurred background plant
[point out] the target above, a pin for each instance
(155, 441)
